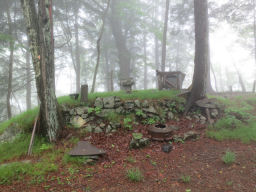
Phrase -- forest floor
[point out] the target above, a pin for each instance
(192, 166)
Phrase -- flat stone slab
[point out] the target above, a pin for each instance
(84, 148)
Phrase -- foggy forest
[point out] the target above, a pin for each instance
(128, 95)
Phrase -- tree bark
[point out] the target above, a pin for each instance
(28, 80)
(10, 73)
(145, 62)
(165, 36)
(254, 29)
(124, 55)
(40, 33)
(201, 53)
(98, 47)
(77, 54)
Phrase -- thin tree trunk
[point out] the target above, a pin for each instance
(10, 73)
(40, 32)
(77, 54)
(215, 78)
(98, 47)
(28, 80)
(145, 63)
(165, 36)
(156, 37)
(201, 53)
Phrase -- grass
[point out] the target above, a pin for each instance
(134, 174)
(229, 157)
(74, 160)
(19, 147)
(185, 178)
(245, 132)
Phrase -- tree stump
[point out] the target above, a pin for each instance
(84, 93)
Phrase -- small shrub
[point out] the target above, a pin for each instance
(185, 178)
(128, 123)
(74, 160)
(151, 121)
(45, 147)
(139, 113)
(229, 157)
(137, 136)
(134, 174)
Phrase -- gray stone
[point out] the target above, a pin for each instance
(108, 129)
(98, 130)
(120, 110)
(139, 143)
(72, 112)
(115, 125)
(98, 102)
(129, 105)
(170, 115)
(214, 113)
(109, 102)
(150, 109)
(188, 118)
(137, 103)
(118, 102)
(84, 116)
(78, 122)
(102, 125)
(145, 104)
(190, 135)
(105, 112)
(10, 134)
(81, 110)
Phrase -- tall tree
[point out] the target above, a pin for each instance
(40, 33)
(165, 35)
(201, 53)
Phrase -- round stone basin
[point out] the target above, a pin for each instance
(160, 132)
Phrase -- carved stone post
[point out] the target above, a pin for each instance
(84, 93)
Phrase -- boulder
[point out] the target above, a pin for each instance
(139, 143)
(109, 102)
(98, 130)
(78, 122)
(145, 104)
(81, 110)
(190, 135)
(137, 103)
(214, 113)
(150, 109)
(98, 102)
(129, 105)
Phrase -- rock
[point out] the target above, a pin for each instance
(72, 112)
(88, 129)
(104, 112)
(108, 129)
(102, 125)
(129, 105)
(139, 143)
(84, 116)
(118, 102)
(120, 110)
(98, 103)
(98, 130)
(150, 109)
(167, 148)
(190, 135)
(170, 116)
(115, 125)
(189, 118)
(78, 122)
(109, 102)
(81, 110)
(65, 109)
(145, 104)
(214, 113)
(10, 134)
(137, 103)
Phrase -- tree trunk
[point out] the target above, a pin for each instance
(98, 47)
(40, 33)
(165, 36)
(77, 54)
(124, 55)
(11, 49)
(145, 62)
(254, 29)
(28, 80)
(201, 53)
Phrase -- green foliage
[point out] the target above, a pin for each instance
(150, 121)
(19, 147)
(74, 160)
(137, 136)
(139, 113)
(185, 178)
(128, 123)
(229, 157)
(67, 100)
(46, 147)
(95, 110)
(244, 132)
(13, 171)
(134, 174)
(228, 122)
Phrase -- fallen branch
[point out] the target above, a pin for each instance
(32, 138)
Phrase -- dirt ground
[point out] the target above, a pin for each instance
(199, 159)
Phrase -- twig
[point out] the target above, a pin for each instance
(32, 138)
